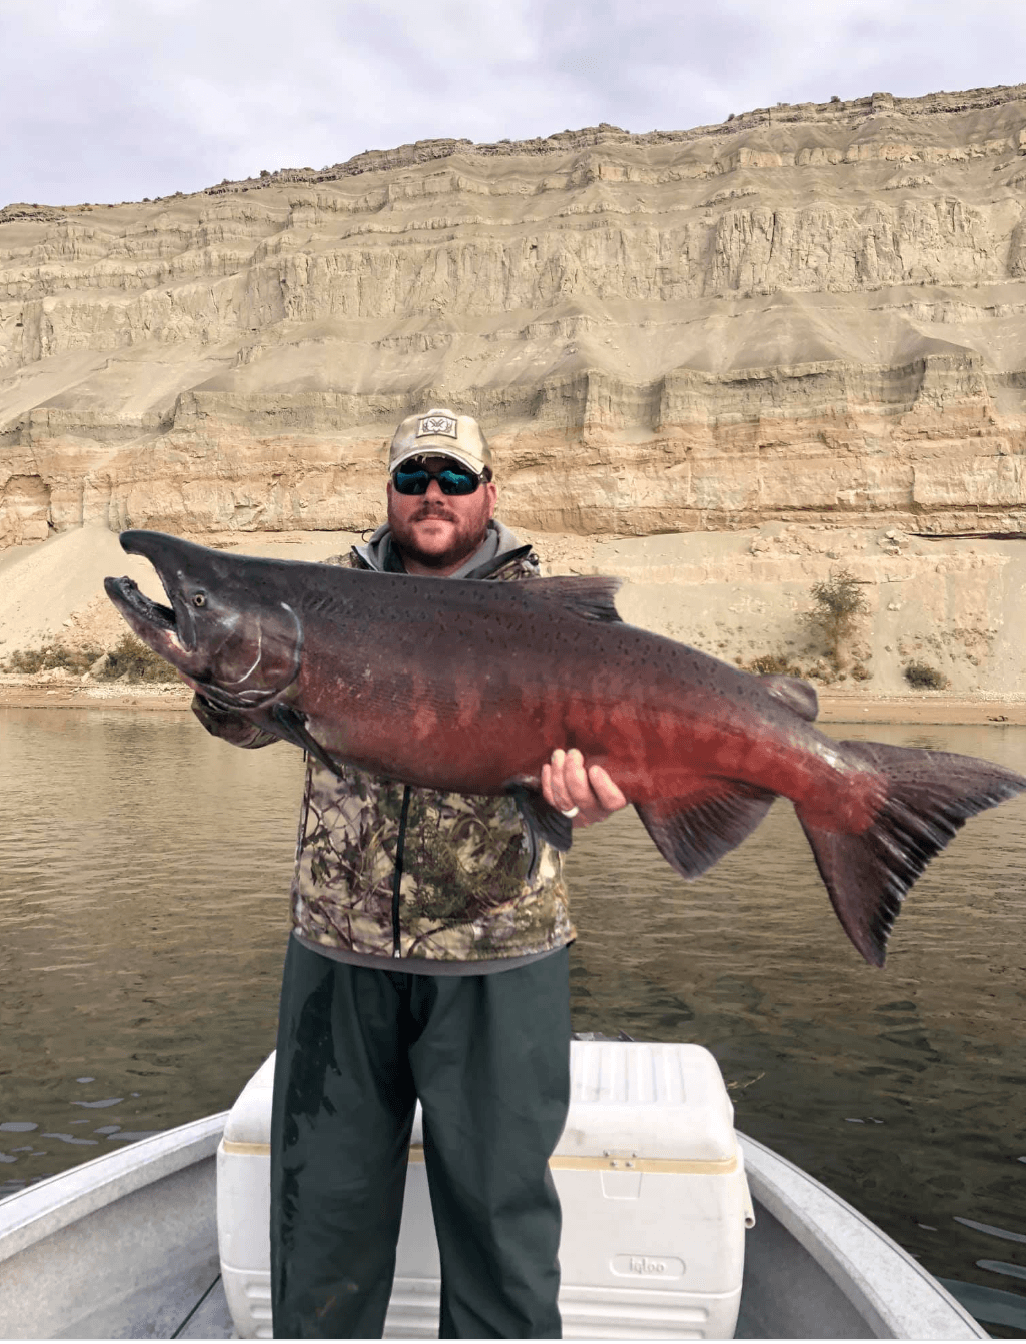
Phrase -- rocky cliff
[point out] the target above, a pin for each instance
(810, 313)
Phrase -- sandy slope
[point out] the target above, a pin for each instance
(47, 589)
(54, 590)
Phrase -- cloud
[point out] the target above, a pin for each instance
(119, 99)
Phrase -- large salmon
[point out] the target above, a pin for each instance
(468, 687)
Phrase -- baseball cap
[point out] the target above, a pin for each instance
(440, 432)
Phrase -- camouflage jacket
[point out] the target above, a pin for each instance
(386, 870)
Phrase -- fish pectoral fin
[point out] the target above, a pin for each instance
(795, 694)
(547, 821)
(930, 796)
(693, 834)
(291, 725)
(498, 561)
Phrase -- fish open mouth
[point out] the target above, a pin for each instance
(126, 594)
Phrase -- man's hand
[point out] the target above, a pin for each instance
(566, 784)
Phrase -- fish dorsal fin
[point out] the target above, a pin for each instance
(795, 694)
(590, 596)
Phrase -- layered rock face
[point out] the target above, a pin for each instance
(810, 313)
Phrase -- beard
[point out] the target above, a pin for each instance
(465, 536)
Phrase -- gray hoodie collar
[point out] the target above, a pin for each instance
(380, 554)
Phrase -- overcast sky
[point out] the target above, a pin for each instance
(110, 100)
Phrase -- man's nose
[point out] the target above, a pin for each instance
(434, 490)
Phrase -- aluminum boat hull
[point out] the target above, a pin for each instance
(125, 1247)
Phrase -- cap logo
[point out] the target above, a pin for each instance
(436, 424)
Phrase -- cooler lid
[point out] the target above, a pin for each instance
(647, 1099)
(249, 1120)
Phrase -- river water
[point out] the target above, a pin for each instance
(144, 871)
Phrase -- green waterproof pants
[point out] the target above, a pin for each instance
(489, 1058)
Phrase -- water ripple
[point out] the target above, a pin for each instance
(144, 871)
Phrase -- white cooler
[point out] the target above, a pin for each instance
(651, 1180)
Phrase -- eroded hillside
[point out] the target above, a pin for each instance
(808, 313)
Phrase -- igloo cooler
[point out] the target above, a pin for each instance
(651, 1180)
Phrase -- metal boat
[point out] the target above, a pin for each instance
(126, 1247)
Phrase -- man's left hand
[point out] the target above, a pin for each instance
(567, 784)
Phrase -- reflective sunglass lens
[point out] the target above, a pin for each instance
(410, 482)
(457, 482)
(451, 481)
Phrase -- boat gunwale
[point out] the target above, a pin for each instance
(32, 1215)
(853, 1251)
(848, 1247)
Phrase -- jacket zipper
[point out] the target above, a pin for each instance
(401, 839)
(398, 875)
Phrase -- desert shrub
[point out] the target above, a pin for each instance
(31, 661)
(839, 602)
(778, 664)
(922, 677)
(132, 659)
(822, 671)
(28, 661)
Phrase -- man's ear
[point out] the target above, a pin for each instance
(492, 494)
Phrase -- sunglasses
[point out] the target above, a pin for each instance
(454, 480)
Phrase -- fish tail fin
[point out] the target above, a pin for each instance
(930, 796)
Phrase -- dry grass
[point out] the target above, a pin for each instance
(779, 664)
(132, 660)
(129, 659)
(50, 656)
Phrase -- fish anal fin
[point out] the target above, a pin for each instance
(795, 694)
(291, 725)
(694, 833)
(590, 596)
(547, 821)
(929, 796)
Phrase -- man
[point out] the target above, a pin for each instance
(429, 959)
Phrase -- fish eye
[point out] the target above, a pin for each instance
(199, 599)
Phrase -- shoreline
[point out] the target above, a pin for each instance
(37, 693)
(936, 708)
